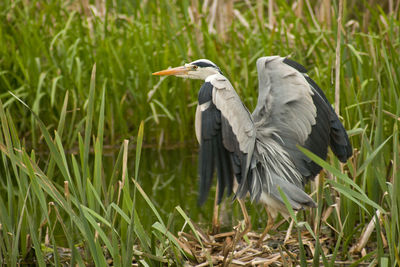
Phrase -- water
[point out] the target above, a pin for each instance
(170, 179)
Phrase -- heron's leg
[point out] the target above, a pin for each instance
(246, 217)
(270, 224)
(215, 218)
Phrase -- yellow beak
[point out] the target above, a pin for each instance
(174, 71)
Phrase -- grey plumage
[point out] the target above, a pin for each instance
(291, 110)
(259, 149)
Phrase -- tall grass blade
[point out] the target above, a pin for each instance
(355, 196)
(88, 129)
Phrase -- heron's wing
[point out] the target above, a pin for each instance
(295, 110)
(226, 134)
(326, 119)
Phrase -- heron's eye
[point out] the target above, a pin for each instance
(195, 67)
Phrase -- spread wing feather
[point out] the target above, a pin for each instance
(239, 132)
(260, 149)
(225, 131)
(328, 130)
(294, 106)
(284, 117)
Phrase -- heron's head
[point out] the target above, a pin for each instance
(198, 69)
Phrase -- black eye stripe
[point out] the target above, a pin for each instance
(204, 64)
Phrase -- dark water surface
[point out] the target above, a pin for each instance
(170, 179)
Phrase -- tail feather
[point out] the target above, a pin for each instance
(296, 196)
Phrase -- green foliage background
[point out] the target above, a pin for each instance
(47, 53)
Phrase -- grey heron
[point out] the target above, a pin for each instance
(259, 149)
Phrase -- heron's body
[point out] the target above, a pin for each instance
(260, 148)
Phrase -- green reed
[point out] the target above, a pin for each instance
(54, 180)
